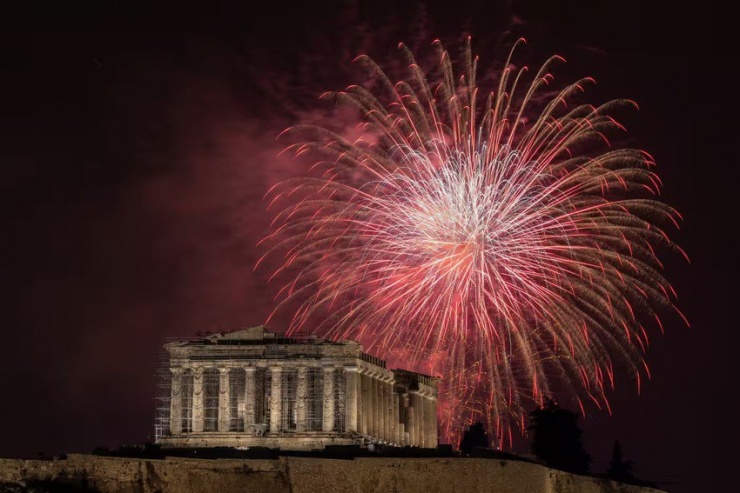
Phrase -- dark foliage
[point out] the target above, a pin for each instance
(475, 436)
(619, 469)
(556, 438)
(145, 451)
(622, 470)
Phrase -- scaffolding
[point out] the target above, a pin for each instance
(237, 411)
(314, 399)
(162, 398)
(177, 402)
(186, 414)
(288, 415)
(263, 392)
(340, 392)
(210, 399)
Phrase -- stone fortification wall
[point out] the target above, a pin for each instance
(304, 475)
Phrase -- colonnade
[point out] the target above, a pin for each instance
(375, 404)
(196, 394)
(392, 412)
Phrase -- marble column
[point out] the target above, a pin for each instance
(250, 396)
(328, 400)
(276, 398)
(224, 400)
(373, 417)
(300, 394)
(432, 419)
(420, 421)
(380, 408)
(392, 412)
(383, 405)
(176, 402)
(421, 414)
(389, 425)
(350, 406)
(411, 421)
(425, 422)
(364, 403)
(198, 397)
(397, 425)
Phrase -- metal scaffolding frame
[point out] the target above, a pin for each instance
(187, 402)
(314, 399)
(340, 392)
(210, 399)
(237, 384)
(263, 392)
(289, 412)
(163, 396)
(237, 422)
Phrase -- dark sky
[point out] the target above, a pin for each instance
(137, 139)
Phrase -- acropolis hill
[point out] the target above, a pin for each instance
(302, 475)
(255, 395)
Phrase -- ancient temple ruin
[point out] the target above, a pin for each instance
(255, 388)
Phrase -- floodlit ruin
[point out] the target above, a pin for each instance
(253, 388)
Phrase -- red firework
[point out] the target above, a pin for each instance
(508, 249)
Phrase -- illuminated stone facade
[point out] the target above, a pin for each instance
(255, 388)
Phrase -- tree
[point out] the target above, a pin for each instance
(556, 438)
(619, 469)
(474, 436)
(622, 470)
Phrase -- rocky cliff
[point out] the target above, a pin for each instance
(302, 475)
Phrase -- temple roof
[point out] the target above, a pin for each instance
(257, 333)
(252, 336)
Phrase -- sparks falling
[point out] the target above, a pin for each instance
(495, 239)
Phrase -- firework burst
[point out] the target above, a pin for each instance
(496, 239)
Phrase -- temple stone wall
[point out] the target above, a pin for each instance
(252, 387)
(304, 475)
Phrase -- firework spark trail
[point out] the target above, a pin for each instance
(507, 249)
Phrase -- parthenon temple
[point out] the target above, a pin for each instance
(253, 388)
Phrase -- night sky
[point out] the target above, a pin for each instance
(137, 139)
